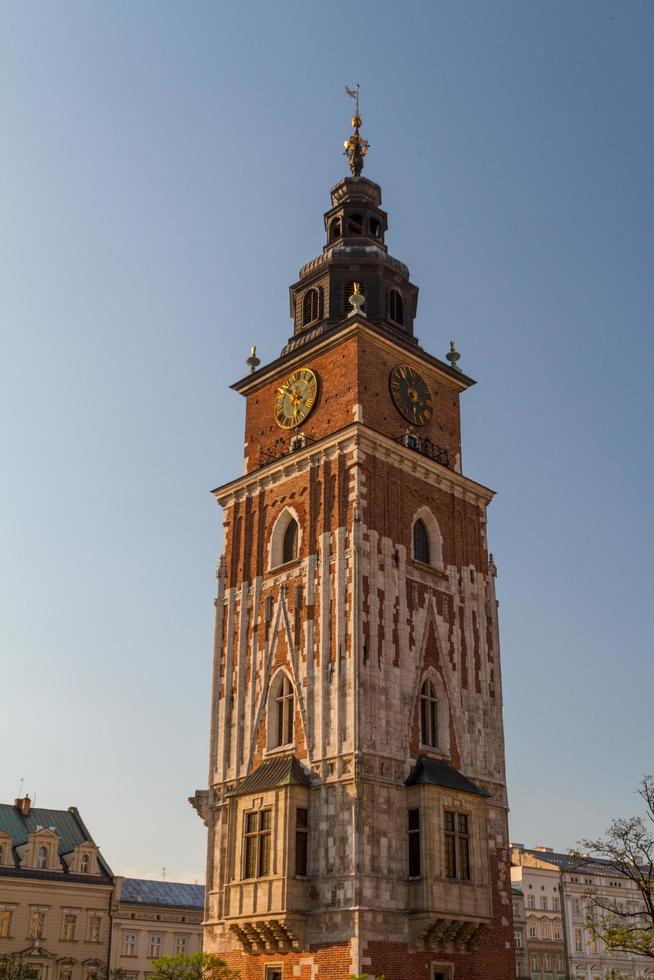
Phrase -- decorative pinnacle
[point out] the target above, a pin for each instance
(253, 361)
(453, 356)
(356, 146)
(356, 301)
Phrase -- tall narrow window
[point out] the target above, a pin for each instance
(414, 843)
(428, 714)
(69, 926)
(301, 841)
(289, 545)
(5, 923)
(355, 224)
(42, 858)
(335, 229)
(129, 944)
(284, 706)
(395, 306)
(85, 864)
(154, 950)
(37, 924)
(181, 945)
(310, 306)
(420, 542)
(257, 849)
(94, 928)
(457, 846)
(375, 228)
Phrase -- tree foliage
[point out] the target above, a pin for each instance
(14, 968)
(628, 847)
(195, 966)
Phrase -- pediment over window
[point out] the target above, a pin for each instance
(286, 770)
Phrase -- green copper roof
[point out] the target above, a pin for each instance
(66, 823)
(284, 771)
(441, 773)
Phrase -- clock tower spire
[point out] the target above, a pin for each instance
(356, 805)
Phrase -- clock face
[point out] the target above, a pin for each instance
(411, 394)
(295, 398)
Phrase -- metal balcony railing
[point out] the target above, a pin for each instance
(425, 447)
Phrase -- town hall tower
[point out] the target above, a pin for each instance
(356, 805)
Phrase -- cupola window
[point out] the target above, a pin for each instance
(395, 306)
(355, 224)
(428, 715)
(375, 228)
(334, 229)
(289, 545)
(310, 306)
(420, 542)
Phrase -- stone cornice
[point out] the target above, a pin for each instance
(356, 438)
(335, 336)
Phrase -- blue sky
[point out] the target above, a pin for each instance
(164, 174)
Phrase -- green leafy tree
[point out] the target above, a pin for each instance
(195, 966)
(14, 968)
(628, 847)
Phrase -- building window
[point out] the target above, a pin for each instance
(534, 961)
(129, 944)
(2, 853)
(301, 841)
(65, 972)
(533, 932)
(154, 950)
(547, 962)
(6, 916)
(85, 864)
(375, 228)
(311, 306)
(181, 945)
(355, 224)
(557, 932)
(42, 857)
(273, 973)
(289, 544)
(395, 307)
(284, 708)
(545, 929)
(420, 542)
(335, 229)
(579, 941)
(517, 939)
(556, 904)
(543, 902)
(94, 931)
(576, 906)
(69, 926)
(428, 714)
(559, 962)
(414, 843)
(457, 846)
(37, 924)
(258, 825)
(531, 902)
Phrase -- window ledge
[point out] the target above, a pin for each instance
(280, 749)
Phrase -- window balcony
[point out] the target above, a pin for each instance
(424, 446)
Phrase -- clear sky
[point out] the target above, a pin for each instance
(164, 171)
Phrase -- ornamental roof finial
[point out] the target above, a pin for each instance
(356, 146)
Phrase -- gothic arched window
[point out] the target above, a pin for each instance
(355, 224)
(334, 229)
(420, 542)
(310, 306)
(428, 714)
(395, 306)
(289, 544)
(284, 715)
(42, 858)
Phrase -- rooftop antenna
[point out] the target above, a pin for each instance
(20, 788)
(163, 874)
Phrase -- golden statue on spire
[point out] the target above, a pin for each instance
(356, 146)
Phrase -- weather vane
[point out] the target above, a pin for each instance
(356, 146)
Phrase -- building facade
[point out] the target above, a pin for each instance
(55, 893)
(150, 919)
(580, 883)
(520, 934)
(544, 933)
(357, 806)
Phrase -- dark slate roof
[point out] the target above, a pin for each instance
(67, 824)
(283, 771)
(441, 773)
(516, 891)
(140, 891)
(573, 864)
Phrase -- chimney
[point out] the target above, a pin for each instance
(23, 805)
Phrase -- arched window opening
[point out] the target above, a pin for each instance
(85, 863)
(348, 291)
(334, 229)
(428, 715)
(310, 306)
(42, 858)
(289, 545)
(355, 224)
(420, 542)
(375, 227)
(284, 708)
(395, 306)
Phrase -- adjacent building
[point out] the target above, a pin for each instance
(520, 934)
(151, 919)
(357, 802)
(55, 893)
(542, 874)
(544, 935)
